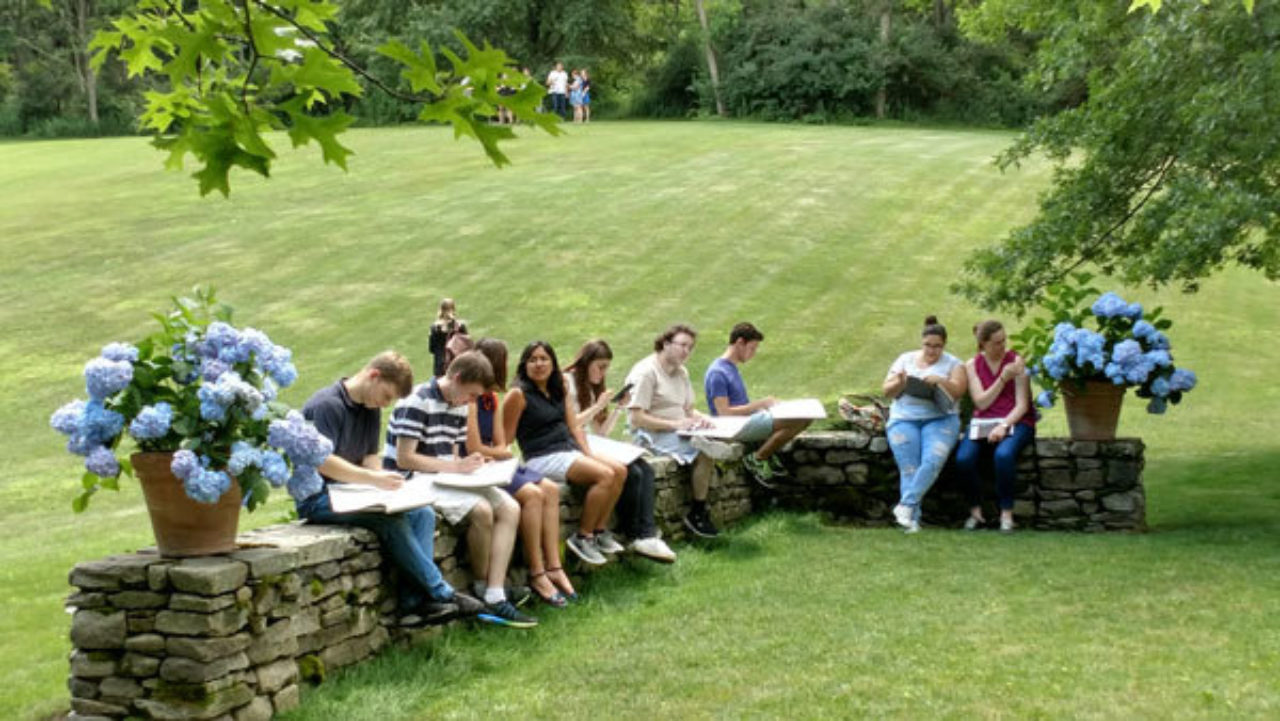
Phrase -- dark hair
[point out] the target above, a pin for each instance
(984, 330)
(471, 367)
(394, 369)
(746, 332)
(496, 351)
(555, 384)
(933, 327)
(669, 335)
(590, 352)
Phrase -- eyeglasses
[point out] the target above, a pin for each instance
(686, 346)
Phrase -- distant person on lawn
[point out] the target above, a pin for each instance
(558, 91)
(448, 337)
(426, 428)
(1001, 391)
(662, 405)
(924, 419)
(727, 396)
(349, 414)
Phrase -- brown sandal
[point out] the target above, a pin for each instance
(556, 598)
(571, 597)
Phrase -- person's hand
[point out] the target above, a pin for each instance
(768, 402)
(900, 378)
(624, 400)
(469, 464)
(1013, 370)
(386, 480)
(998, 433)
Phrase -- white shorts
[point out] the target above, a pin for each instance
(553, 465)
(455, 503)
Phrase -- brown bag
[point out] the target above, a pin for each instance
(864, 412)
(459, 342)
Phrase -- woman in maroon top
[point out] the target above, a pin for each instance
(1002, 425)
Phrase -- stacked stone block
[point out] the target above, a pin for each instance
(231, 637)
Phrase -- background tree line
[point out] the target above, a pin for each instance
(801, 60)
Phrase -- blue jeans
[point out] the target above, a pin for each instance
(407, 537)
(1004, 457)
(921, 449)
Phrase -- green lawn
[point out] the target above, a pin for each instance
(835, 241)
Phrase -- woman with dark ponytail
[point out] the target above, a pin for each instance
(924, 420)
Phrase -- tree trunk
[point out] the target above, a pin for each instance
(79, 26)
(886, 24)
(711, 59)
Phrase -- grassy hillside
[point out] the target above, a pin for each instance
(835, 241)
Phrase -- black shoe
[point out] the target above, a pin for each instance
(699, 524)
(467, 605)
(503, 613)
(430, 612)
(518, 595)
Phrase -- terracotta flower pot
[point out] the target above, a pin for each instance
(182, 526)
(1094, 410)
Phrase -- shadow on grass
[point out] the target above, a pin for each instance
(1224, 499)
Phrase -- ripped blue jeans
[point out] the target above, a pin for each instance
(921, 449)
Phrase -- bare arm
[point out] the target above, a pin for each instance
(956, 382)
(498, 451)
(344, 471)
(1022, 399)
(512, 408)
(587, 416)
(894, 383)
(641, 418)
(575, 430)
(723, 408)
(408, 458)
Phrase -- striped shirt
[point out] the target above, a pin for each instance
(426, 416)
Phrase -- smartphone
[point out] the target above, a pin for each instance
(618, 396)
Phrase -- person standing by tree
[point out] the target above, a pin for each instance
(447, 325)
(586, 96)
(557, 91)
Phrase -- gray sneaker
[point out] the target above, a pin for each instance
(585, 549)
(716, 450)
(607, 544)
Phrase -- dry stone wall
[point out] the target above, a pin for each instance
(231, 637)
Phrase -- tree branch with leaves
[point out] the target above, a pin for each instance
(233, 70)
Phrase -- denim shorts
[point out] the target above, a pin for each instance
(666, 443)
(759, 427)
(553, 465)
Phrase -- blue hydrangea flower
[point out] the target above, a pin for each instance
(217, 397)
(274, 468)
(1182, 380)
(1133, 311)
(1158, 341)
(243, 455)
(1159, 358)
(1143, 329)
(102, 462)
(1089, 349)
(152, 422)
(211, 369)
(1160, 387)
(1045, 399)
(120, 352)
(217, 336)
(99, 423)
(1157, 405)
(184, 464)
(1062, 331)
(1126, 352)
(299, 440)
(105, 378)
(305, 482)
(1057, 366)
(205, 486)
(1110, 305)
(66, 420)
(279, 365)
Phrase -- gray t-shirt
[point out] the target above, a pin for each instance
(910, 408)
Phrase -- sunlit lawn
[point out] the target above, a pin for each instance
(835, 241)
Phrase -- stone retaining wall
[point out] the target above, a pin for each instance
(231, 637)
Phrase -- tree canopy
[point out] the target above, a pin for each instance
(1169, 170)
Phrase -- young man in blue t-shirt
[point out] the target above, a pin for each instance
(727, 396)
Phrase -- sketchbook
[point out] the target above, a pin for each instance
(729, 428)
(418, 490)
(619, 451)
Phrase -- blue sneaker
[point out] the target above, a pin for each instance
(503, 613)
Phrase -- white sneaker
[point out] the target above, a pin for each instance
(716, 450)
(1006, 525)
(606, 543)
(653, 548)
(973, 523)
(913, 527)
(903, 515)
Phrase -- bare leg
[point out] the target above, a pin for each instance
(506, 521)
(551, 536)
(532, 515)
(703, 467)
(605, 486)
(479, 535)
(783, 431)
